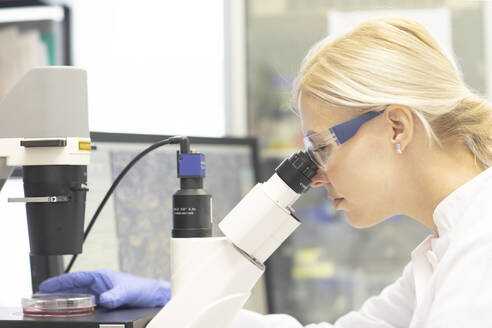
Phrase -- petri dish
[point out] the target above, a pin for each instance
(58, 305)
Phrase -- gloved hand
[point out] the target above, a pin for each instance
(111, 288)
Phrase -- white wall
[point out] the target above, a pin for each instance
(153, 66)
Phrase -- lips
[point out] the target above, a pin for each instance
(337, 202)
(333, 196)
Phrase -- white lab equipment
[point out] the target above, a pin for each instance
(212, 277)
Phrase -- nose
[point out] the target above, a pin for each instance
(320, 179)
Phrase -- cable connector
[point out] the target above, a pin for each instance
(184, 143)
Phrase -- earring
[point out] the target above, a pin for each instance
(398, 149)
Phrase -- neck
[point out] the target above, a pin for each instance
(441, 173)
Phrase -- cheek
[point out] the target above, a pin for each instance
(339, 171)
(361, 172)
(357, 170)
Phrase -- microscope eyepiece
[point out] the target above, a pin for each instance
(297, 171)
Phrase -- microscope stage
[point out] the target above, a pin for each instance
(101, 318)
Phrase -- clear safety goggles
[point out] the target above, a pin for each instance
(320, 146)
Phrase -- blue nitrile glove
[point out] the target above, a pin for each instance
(111, 288)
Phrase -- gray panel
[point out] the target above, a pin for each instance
(469, 46)
(5, 171)
(47, 102)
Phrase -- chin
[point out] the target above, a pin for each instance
(360, 222)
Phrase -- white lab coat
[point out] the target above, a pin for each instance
(448, 282)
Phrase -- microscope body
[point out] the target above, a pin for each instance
(44, 129)
(212, 277)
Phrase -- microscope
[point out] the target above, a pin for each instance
(45, 131)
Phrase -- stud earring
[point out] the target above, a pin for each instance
(398, 149)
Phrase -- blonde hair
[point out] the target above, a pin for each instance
(395, 60)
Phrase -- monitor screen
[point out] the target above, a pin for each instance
(133, 231)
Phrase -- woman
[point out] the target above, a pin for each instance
(425, 151)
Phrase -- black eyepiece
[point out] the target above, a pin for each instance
(297, 171)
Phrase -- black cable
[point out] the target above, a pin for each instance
(185, 146)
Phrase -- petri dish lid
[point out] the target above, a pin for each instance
(58, 304)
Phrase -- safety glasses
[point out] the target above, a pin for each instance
(321, 145)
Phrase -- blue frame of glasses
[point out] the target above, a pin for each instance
(346, 130)
(337, 134)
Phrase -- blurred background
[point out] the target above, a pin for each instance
(221, 69)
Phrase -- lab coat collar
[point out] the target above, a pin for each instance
(422, 267)
(426, 256)
(454, 206)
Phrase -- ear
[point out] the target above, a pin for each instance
(400, 120)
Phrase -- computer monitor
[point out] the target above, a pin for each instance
(133, 231)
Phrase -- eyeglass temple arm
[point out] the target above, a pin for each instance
(346, 130)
